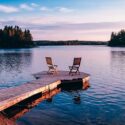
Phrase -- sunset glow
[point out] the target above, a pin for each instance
(65, 19)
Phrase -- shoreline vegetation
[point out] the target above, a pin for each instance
(15, 37)
(117, 39)
(68, 42)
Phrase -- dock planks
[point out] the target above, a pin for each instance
(44, 83)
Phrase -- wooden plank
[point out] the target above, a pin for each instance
(11, 96)
(46, 82)
(63, 75)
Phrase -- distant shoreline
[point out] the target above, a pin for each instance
(37, 43)
(66, 43)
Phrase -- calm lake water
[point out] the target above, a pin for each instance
(102, 104)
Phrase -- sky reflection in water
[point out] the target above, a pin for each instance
(102, 104)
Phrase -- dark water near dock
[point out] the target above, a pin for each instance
(102, 104)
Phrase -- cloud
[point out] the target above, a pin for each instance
(8, 9)
(81, 31)
(56, 9)
(26, 7)
(45, 9)
(66, 26)
(68, 31)
(34, 5)
(64, 9)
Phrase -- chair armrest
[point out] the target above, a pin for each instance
(73, 67)
(55, 65)
(70, 67)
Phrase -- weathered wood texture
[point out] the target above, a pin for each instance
(62, 75)
(12, 96)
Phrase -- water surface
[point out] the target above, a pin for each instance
(102, 104)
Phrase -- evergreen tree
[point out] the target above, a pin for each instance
(117, 39)
(14, 37)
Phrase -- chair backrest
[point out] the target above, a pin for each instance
(49, 61)
(77, 61)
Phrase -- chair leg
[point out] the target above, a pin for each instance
(56, 72)
(78, 71)
(70, 71)
(48, 71)
(75, 72)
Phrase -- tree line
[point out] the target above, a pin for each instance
(117, 39)
(68, 42)
(15, 37)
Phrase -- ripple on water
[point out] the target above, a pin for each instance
(102, 104)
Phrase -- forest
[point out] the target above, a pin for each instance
(117, 39)
(15, 37)
(68, 42)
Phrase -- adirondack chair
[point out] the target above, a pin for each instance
(74, 69)
(51, 66)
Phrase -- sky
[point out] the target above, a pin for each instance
(65, 19)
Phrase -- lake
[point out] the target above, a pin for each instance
(102, 104)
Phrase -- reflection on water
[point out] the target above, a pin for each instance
(14, 67)
(14, 61)
(10, 115)
(118, 59)
(118, 66)
(102, 104)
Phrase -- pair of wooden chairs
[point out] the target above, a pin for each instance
(74, 69)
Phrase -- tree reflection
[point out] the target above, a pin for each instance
(15, 61)
(14, 67)
(118, 59)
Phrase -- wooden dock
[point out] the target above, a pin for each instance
(44, 82)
